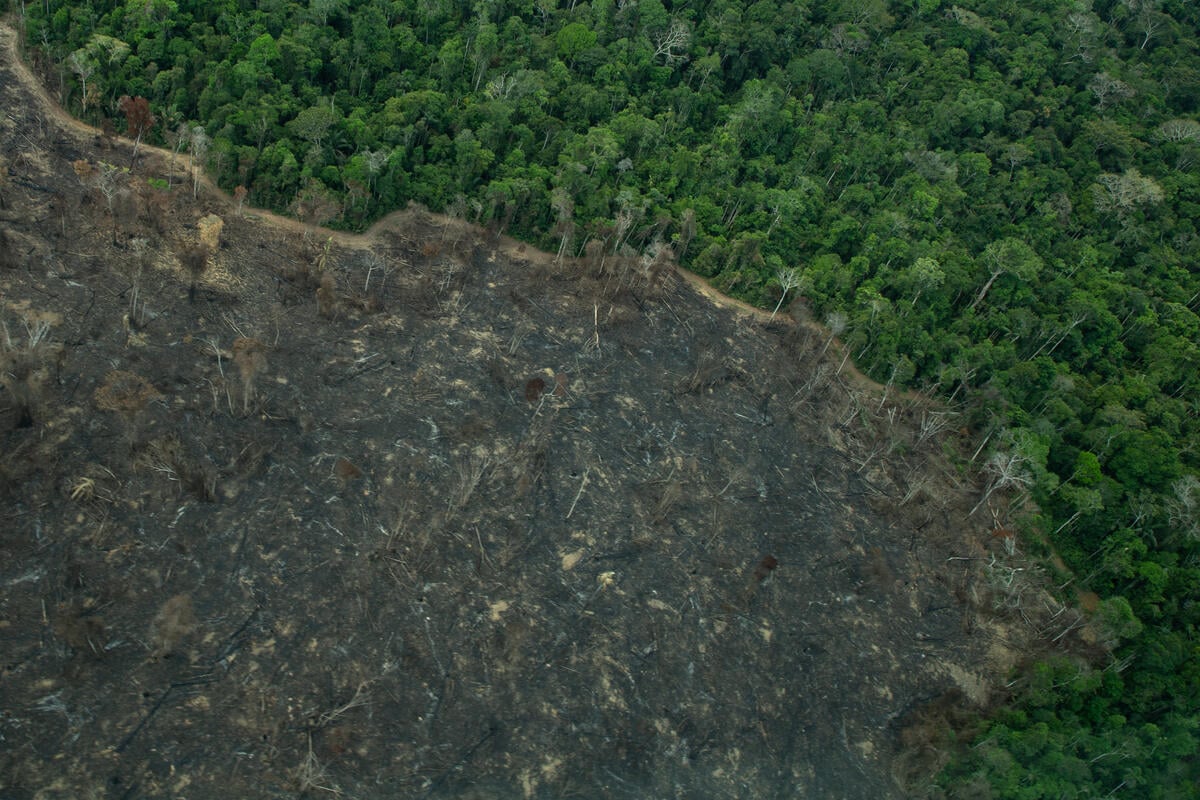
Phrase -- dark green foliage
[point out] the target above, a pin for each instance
(997, 201)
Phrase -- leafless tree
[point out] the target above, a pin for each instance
(23, 365)
(687, 230)
(83, 65)
(836, 322)
(1183, 508)
(1006, 469)
(108, 181)
(564, 208)
(789, 278)
(376, 160)
(197, 150)
(178, 139)
(251, 358)
(1179, 130)
(1147, 19)
(933, 423)
(1122, 194)
(1108, 89)
(194, 258)
(327, 295)
(671, 44)
(1081, 28)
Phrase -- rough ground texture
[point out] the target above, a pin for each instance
(418, 514)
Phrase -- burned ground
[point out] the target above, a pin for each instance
(421, 514)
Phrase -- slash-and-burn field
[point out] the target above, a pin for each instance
(420, 513)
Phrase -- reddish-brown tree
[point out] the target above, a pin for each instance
(138, 118)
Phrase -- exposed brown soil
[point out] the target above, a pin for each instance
(419, 514)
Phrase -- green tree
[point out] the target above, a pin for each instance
(1008, 256)
(312, 124)
(573, 39)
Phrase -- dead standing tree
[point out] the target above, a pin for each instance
(194, 258)
(1005, 469)
(25, 367)
(198, 142)
(178, 139)
(250, 355)
(108, 181)
(672, 42)
(789, 278)
(138, 120)
(564, 209)
(327, 295)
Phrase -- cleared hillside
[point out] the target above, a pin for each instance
(417, 511)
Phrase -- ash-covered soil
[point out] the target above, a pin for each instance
(420, 514)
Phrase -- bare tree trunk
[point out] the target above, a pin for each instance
(986, 288)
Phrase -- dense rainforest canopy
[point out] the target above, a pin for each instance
(993, 200)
